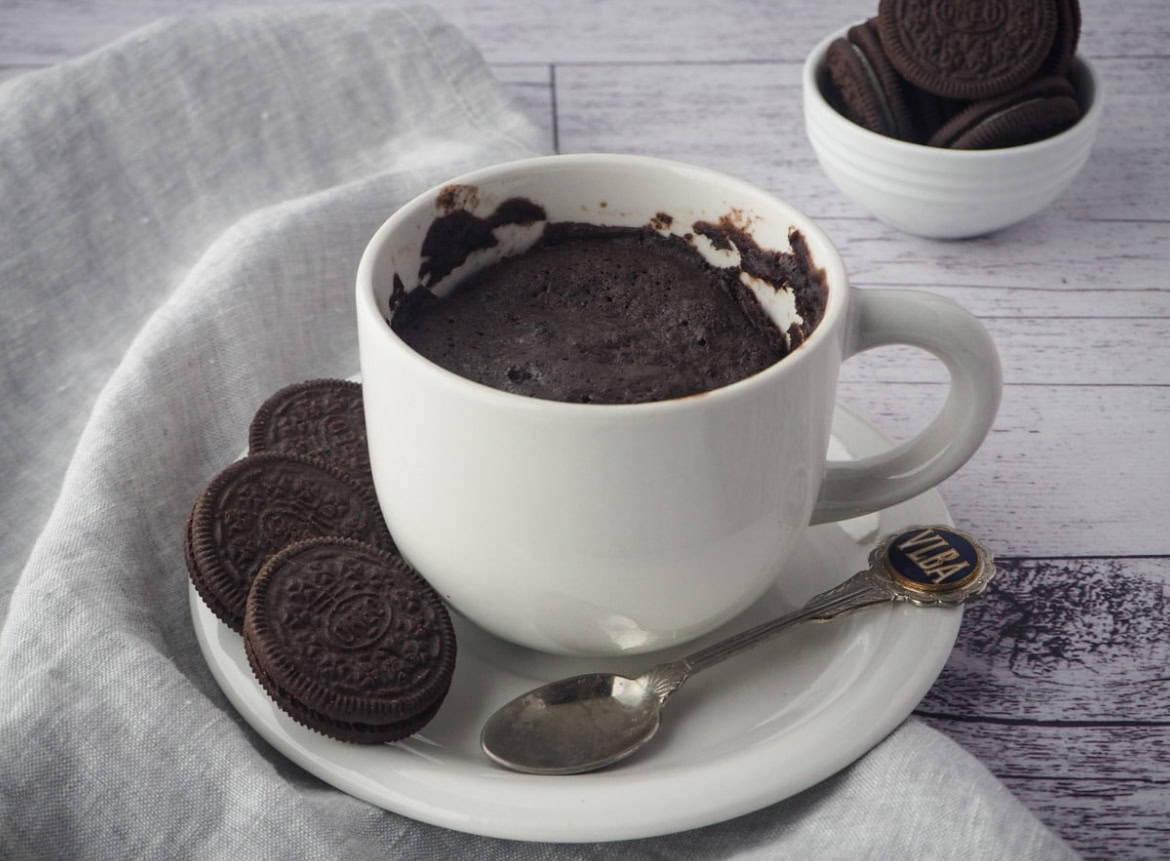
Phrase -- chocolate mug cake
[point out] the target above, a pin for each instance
(606, 314)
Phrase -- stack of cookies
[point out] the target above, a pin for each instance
(287, 547)
(964, 74)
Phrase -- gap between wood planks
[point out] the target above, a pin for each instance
(1037, 722)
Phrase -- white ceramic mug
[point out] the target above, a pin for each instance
(615, 529)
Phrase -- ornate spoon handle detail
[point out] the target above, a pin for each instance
(925, 565)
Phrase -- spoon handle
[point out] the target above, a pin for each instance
(860, 590)
(925, 565)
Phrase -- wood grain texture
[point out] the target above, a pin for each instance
(1049, 267)
(1107, 787)
(530, 87)
(567, 31)
(751, 125)
(1065, 471)
(1059, 679)
(1085, 351)
(1059, 683)
(1050, 629)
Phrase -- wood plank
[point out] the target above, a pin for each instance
(1058, 684)
(538, 31)
(755, 128)
(595, 31)
(651, 30)
(1066, 470)
(1110, 754)
(1058, 302)
(1062, 643)
(1044, 351)
(746, 119)
(1125, 178)
(1105, 790)
(1045, 267)
(530, 87)
(1102, 819)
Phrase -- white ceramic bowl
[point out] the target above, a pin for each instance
(943, 193)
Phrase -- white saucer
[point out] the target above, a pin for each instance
(741, 736)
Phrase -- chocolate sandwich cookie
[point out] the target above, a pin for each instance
(321, 419)
(1038, 110)
(1068, 34)
(188, 548)
(967, 49)
(349, 640)
(258, 506)
(867, 89)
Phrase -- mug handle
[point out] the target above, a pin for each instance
(943, 328)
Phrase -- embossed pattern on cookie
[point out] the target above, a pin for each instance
(349, 640)
(321, 419)
(261, 504)
(967, 49)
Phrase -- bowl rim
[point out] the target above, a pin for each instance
(1089, 86)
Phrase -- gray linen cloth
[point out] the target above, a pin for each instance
(182, 216)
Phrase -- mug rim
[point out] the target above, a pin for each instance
(836, 280)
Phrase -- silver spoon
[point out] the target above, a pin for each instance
(587, 722)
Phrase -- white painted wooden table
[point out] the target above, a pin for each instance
(1060, 681)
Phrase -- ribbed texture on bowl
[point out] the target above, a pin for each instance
(943, 193)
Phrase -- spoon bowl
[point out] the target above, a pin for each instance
(574, 725)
